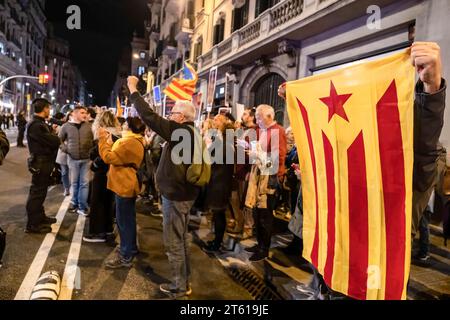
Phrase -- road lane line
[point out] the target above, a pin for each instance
(35, 270)
(71, 277)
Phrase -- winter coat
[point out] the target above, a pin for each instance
(77, 139)
(170, 177)
(218, 190)
(124, 157)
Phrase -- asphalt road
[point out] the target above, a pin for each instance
(25, 257)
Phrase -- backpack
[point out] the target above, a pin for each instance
(2, 244)
(199, 172)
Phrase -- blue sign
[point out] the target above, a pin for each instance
(157, 95)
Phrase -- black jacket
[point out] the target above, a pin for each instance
(41, 142)
(170, 177)
(218, 190)
(4, 146)
(428, 123)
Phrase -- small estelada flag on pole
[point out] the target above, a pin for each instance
(183, 88)
(354, 132)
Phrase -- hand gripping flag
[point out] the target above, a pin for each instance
(354, 132)
(184, 87)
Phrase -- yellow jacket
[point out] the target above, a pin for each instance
(124, 157)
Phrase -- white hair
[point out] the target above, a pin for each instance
(186, 108)
(266, 111)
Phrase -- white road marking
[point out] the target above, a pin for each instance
(71, 277)
(34, 272)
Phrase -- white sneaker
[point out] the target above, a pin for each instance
(82, 213)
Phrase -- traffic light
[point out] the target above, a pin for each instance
(44, 78)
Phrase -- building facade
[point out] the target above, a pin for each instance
(261, 44)
(22, 37)
(61, 89)
(170, 29)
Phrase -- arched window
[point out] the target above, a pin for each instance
(219, 30)
(265, 91)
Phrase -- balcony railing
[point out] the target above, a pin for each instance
(285, 11)
(225, 47)
(267, 25)
(250, 32)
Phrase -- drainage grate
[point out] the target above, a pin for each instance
(254, 284)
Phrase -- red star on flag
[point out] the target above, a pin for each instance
(335, 103)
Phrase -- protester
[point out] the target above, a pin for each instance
(77, 139)
(4, 146)
(218, 190)
(429, 106)
(21, 125)
(61, 160)
(102, 200)
(178, 195)
(265, 178)
(124, 157)
(43, 147)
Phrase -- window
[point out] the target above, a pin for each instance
(240, 17)
(263, 5)
(142, 54)
(198, 48)
(219, 31)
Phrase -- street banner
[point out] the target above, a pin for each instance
(157, 95)
(354, 132)
(211, 88)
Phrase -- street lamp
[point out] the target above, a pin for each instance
(135, 56)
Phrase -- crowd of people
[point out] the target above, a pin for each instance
(107, 163)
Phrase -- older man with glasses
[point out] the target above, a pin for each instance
(178, 195)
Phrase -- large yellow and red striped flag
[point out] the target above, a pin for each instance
(183, 88)
(354, 132)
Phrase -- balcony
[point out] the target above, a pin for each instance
(154, 32)
(282, 20)
(169, 47)
(186, 30)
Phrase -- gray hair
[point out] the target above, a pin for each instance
(186, 108)
(265, 110)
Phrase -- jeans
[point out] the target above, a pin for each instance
(38, 190)
(177, 240)
(126, 222)
(65, 176)
(79, 177)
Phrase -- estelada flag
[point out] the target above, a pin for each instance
(354, 132)
(183, 88)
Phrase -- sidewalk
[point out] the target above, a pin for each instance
(289, 276)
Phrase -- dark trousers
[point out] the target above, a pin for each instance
(38, 190)
(424, 232)
(220, 224)
(264, 222)
(20, 137)
(126, 222)
(102, 205)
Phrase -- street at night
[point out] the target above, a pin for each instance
(233, 150)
